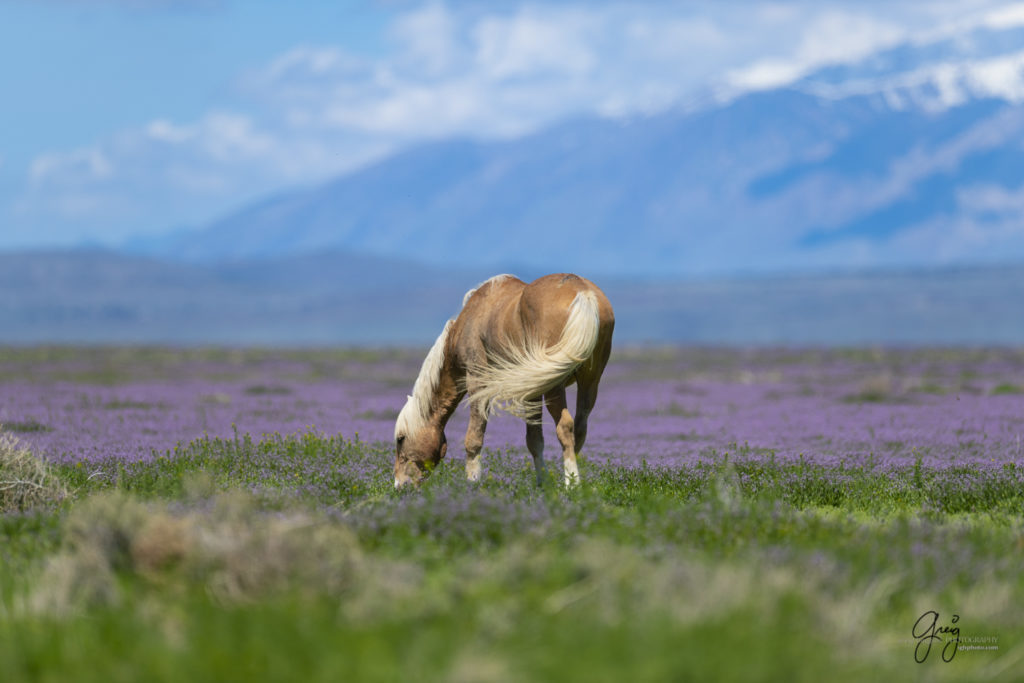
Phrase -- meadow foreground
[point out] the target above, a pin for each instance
(798, 515)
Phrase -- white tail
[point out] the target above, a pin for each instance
(517, 380)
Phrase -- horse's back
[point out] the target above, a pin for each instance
(545, 303)
(518, 341)
(504, 310)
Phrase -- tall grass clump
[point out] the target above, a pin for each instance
(26, 481)
(236, 551)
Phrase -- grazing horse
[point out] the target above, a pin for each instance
(514, 346)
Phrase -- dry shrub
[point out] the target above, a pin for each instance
(106, 523)
(473, 666)
(242, 553)
(616, 584)
(162, 543)
(26, 481)
(75, 580)
(229, 548)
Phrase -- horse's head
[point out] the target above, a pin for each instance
(419, 446)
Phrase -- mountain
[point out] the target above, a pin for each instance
(910, 157)
(337, 298)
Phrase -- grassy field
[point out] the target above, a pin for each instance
(291, 557)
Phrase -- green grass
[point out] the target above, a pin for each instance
(25, 426)
(292, 558)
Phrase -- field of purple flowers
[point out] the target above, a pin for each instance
(803, 508)
(666, 407)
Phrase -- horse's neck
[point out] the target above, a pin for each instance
(446, 396)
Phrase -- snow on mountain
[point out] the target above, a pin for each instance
(933, 75)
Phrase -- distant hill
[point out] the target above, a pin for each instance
(909, 157)
(341, 299)
(331, 298)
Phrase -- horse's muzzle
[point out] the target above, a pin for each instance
(410, 474)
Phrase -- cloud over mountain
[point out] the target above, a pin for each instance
(866, 163)
(490, 72)
(508, 71)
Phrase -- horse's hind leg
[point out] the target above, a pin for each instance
(586, 396)
(587, 379)
(475, 442)
(535, 442)
(555, 401)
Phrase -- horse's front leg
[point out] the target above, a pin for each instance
(475, 442)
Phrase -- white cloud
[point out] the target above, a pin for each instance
(79, 165)
(506, 72)
(940, 85)
(961, 237)
(232, 138)
(828, 38)
(993, 200)
(162, 130)
(1005, 17)
(1002, 77)
(535, 43)
(306, 64)
(428, 39)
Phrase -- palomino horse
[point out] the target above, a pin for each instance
(512, 345)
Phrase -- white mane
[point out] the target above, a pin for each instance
(417, 408)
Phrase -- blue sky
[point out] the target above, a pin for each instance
(84, 69)
(133, 117)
